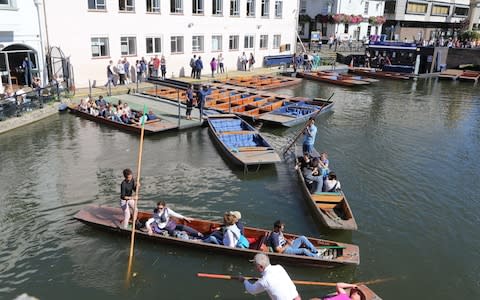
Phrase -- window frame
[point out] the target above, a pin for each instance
(198, 7)
(96, 8)
(201, 43)
(275, 37)
(217, 8)
(128, 41)
(278, 3)
(265, 41)
(416, 3)
(366, 7)
(440, 14)
(175, 38)
(461, 7)
(252, 12)
(303, 7)
(219, 43)
(235, 39)
(153, 44)
(265, 9)
(176, 9)
(234, 8)
(249, 41)
(127, 8)
(154, 9)
(107, 48)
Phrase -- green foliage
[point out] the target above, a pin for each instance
(466, 35)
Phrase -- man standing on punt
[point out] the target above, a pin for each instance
(275, 280)
(309, 136)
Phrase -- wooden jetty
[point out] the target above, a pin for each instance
(109, 218)
(451, 74)
(260, 82)
(469, 76)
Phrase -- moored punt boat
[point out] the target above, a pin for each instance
(260, 82)
(469, 76)
(368, 294)
(151, 127)
(240, 142)
(296, 113)
(330, 208)
(450, 74)
(109, 218)
(331, 78)
(351, 76)
(378, 74)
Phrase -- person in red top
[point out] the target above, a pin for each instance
(156, 66)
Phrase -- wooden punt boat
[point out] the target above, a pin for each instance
(378, 74)
(352, 76)
(368, 294)
(240, 142)
(469, 76)
(151, 127)
(109, 218)
(296, 113)
(260, 82)
(331, 78)
(450, 74)
(331, 209)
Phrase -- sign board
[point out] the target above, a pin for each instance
(315, 36)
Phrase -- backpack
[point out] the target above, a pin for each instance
(242, 242)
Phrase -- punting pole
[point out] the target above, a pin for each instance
(139, 168)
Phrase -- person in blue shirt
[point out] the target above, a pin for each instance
(202, 96)
(27, 67)
(199, 67)
(309, 136)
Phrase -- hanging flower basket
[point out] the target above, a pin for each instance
(379, 20)
(356, 19)
(347, 19)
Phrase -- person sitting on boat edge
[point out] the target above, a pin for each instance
(161, 217)
(277, 241)
(313, 177)
(355, 293)
(275, 280)
(127, 199)
(309, 136)
(331, 184)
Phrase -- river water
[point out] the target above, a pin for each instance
(406, 153)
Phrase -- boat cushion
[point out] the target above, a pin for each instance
(227, 125)
(240, 140)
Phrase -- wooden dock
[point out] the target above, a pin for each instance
(165, 110)
(450, 74)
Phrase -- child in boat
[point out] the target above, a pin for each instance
(324, 164)
(161, 218)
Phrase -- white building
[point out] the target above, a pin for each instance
(93, 32)
(20, 37)
(358, 21)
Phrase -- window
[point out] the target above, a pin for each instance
(278, 9)
(176, 6)
(346, 28)
(153, 45)
(97, 4)
(217, 7)
(265, 8)
(416, 8)
(369, 31)
(128, 45)
(234, 7)
(153, 6)
(249, 42)
(438, 10)
(277, 40)
(233, 42)
(263, 41)
(197, 7)
(303, 7)
(365, 9)
(197, 43)
(390, 7)
(250, 8)
(216, 43)
(461, 11)
(126, 5)
(100, 47)
(176, 44)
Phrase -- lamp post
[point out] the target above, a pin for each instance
(38, 4)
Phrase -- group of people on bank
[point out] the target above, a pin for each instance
(120, 112)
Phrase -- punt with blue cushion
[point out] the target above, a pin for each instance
(228, 125)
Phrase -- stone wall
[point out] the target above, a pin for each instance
(459, 56)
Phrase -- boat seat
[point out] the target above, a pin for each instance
(326, 206)
(328, 197)
(260, 242)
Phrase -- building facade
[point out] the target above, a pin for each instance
(93, 32)
(416, 20)
(358, 19)
(20, 38)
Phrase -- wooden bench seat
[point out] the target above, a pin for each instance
(335, 198)
(325, 206)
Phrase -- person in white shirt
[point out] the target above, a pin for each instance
(331, 184)
(121, 71)
(275, 280)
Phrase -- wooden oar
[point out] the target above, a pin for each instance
(304, 127)
(299, 282)
(139, 168)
